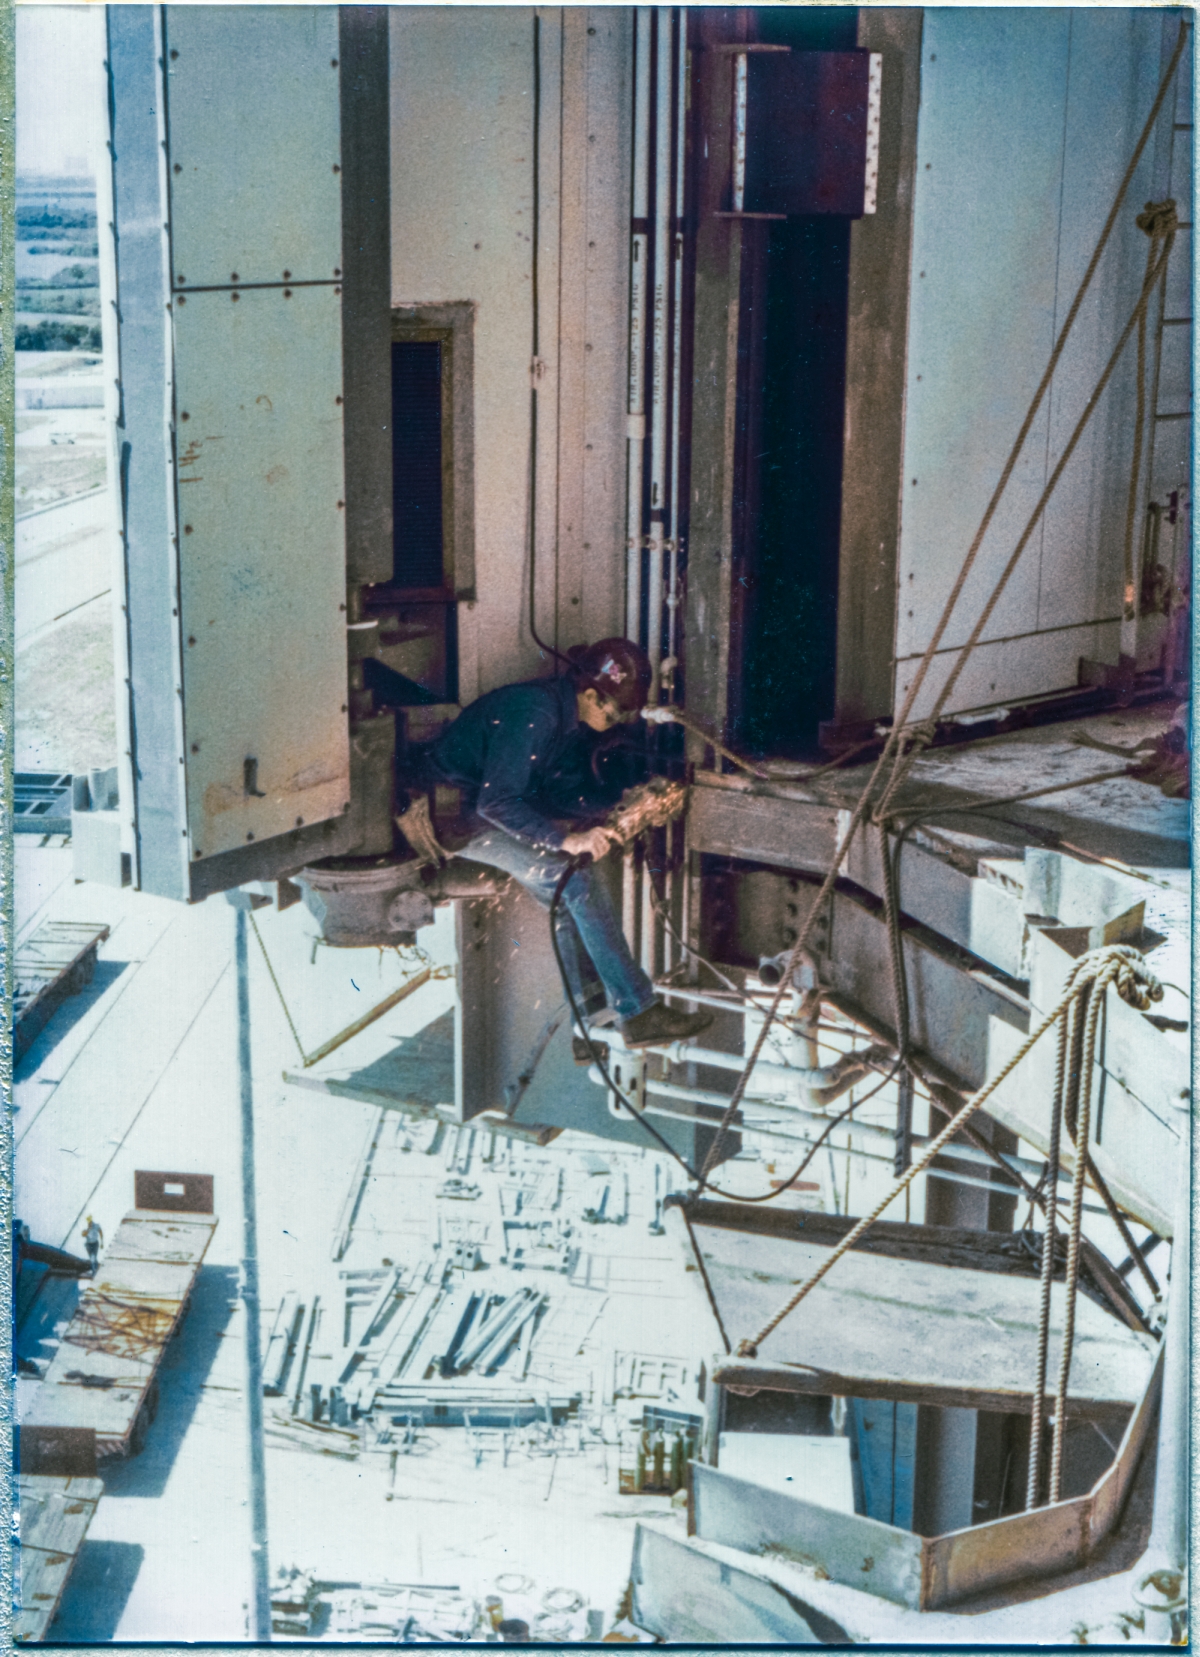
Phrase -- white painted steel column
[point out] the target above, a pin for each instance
(260, 1609)
(638, 278)
(740, 81)
(672, 599)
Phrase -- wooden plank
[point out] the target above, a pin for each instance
(746, 1375)
(530, 1133)
(55, 1512)
(987, 1251)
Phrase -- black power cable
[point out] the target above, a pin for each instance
(535, 342)
(701, 1183)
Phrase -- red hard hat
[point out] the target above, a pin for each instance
(615, 668)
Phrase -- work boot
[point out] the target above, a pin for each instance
(582, 1050)
(660, 1024)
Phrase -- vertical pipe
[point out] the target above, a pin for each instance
(629, 899)
(681, 89)
(739, 131)
(261, 1600)
(638, 281)
(649, 918)
(659, 392)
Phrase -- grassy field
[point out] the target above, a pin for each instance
(65, 700)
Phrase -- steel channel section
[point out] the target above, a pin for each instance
(876, 355)
(152, 693)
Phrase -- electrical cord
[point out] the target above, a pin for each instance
(702, 1183)
(535, 341)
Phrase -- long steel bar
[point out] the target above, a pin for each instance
(752, 1129)
(260, 1570)
(864, 1130)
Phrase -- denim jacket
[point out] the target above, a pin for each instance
(505, 750)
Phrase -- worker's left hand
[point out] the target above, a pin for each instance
(593, 843)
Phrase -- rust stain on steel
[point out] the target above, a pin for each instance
(221, 796)
(133, 1326)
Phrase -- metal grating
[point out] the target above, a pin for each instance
(42, 802)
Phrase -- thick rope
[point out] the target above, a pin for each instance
(1083, 1121)
(1135, 983)
(1049, 1243)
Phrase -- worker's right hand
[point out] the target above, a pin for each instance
(593, 843)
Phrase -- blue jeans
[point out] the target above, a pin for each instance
(595, 956)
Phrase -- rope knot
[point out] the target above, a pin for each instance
(1121, 965)
(1159, 219)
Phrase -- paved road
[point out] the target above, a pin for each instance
(64, 561)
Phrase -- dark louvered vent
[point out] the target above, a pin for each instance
(417, 463)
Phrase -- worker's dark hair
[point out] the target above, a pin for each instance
(615, 668)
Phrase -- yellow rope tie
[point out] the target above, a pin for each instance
(1135, 984)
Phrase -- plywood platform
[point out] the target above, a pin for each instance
(912, 1329)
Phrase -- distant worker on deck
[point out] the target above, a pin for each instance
(93, 1239)
(524, 757)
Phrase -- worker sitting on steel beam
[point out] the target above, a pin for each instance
(516, 754)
